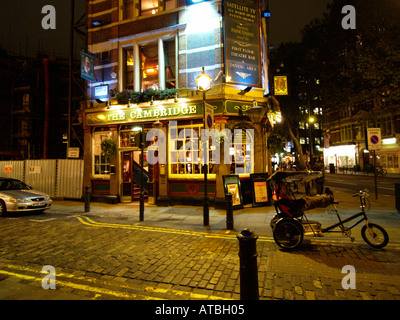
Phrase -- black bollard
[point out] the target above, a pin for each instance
(87, 199)
(248, 265)
(229, 211)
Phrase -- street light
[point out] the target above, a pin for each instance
(203, 85)
(141, 205)
(311, 120)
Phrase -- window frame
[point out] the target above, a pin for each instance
(103, 134)
(136, 44)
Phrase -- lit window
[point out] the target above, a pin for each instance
(243, 163)
(101, 164)
(148, 7)
(128, 69)
(170, 65)
(149, 67)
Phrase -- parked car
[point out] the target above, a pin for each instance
(16, 196)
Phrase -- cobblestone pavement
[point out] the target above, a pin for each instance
(108, 254)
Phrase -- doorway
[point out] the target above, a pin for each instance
(131, 176)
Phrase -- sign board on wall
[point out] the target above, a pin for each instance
(73, 152)
(35, 169)
(242, 42)
(8, 168)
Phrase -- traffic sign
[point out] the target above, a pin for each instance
(209, 116)
(374, 138)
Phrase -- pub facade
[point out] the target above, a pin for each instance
(142, 62)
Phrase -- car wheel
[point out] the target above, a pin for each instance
(3, 208)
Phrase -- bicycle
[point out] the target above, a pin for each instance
(381, 171)
(288, 232)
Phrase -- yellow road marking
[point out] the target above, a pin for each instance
(103, 291)
(325, 241)
(90, 222)
(82, 287)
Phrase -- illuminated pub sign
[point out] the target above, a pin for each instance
(147, 113)
(242, 42)
(281, 85)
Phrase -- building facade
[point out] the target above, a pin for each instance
(146, 57)
(346, 138)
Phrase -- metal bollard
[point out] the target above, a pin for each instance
(248, 265)
(87, 199)
(229, 211)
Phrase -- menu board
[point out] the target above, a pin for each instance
(259, 189)
(232, 185)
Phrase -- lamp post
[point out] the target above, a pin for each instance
(203, 85)
(311, 121)
(141, 205)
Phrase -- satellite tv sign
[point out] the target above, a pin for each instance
(374, 138)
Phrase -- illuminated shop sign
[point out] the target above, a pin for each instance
(242, 42)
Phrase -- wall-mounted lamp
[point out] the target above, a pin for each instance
(245, 90)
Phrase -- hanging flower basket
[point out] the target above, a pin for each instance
(130, 96)
(108, 147)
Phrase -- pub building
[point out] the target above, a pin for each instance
(141, 65)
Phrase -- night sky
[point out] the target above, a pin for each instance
(22, 33)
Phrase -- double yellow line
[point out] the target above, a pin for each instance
(89, 222)
(70, 280)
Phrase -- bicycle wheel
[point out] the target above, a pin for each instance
(288, 234)
(375, 235)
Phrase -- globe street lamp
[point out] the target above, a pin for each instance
(203, 85)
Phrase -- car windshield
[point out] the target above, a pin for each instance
(10, 184)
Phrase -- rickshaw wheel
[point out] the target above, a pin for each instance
(375, 235)
(288, 234)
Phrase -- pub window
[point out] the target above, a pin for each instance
(148, 7)
(149, 66)
(152, 6)
(185, 153)
(101, 165)
(128, 9)
(243, 152)
(169, 58)
(146, 69)
(128, 68)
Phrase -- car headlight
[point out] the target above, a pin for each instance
(19, 200)
(47, 198)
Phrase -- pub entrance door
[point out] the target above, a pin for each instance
(131, 171)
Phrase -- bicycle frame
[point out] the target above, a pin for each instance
(341, 223)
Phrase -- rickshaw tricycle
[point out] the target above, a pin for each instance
(290, 224)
